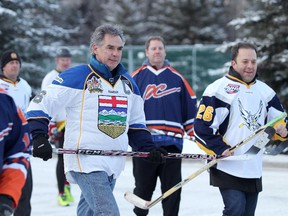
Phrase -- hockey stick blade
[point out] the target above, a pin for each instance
(144, 204)
(136, 200)
(257, 147)
(277, 149)
(263, 140)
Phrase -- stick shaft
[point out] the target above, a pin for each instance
(132, 154)
(149, 204)
(172, 134)
(202, 169)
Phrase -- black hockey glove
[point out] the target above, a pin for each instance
(6, 205)
(42, 147)
(157, 155)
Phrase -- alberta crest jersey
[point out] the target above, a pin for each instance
(99, 113)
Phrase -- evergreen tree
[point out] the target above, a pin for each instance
(192, 21)
(27, 26)
(91, 16)
(136, 17)
(266, 24)
(178, 21)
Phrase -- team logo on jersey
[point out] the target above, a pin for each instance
(125, 84)
(232, 88)
(94, 85)
(112, 115)
(250, 119)
(158, 91)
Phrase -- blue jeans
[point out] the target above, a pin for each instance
(97, 197)
(238, 203)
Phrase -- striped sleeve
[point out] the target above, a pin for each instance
(15, 151)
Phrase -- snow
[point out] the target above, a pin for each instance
(198, 198)
(7, 11)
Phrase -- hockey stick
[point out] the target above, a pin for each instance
(277, 148)
(146, 154)
(172, 134)
(266, 131)
(132, 154)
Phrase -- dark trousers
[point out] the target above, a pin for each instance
(146, 174)
(238, 203)
(60, 173)
(24, 205)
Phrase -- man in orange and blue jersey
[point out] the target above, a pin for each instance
(170, 107)
(14, 153)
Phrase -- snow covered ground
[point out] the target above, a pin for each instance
(198, 198)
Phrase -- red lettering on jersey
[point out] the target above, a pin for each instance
(158, 91)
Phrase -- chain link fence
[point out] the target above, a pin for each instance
(199, 64)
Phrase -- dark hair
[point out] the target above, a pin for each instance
(159, 38)
(245, 45)
(98, 35)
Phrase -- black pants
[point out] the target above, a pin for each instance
(146, 174)
(60, 173)
(24, 205)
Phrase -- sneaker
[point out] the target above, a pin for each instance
(62, 200)
(68, 194)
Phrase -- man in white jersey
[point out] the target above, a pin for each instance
(62, 62)
(21, 92)
(232, 108)
(10, 80)
(104, 112)
(56, 128)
